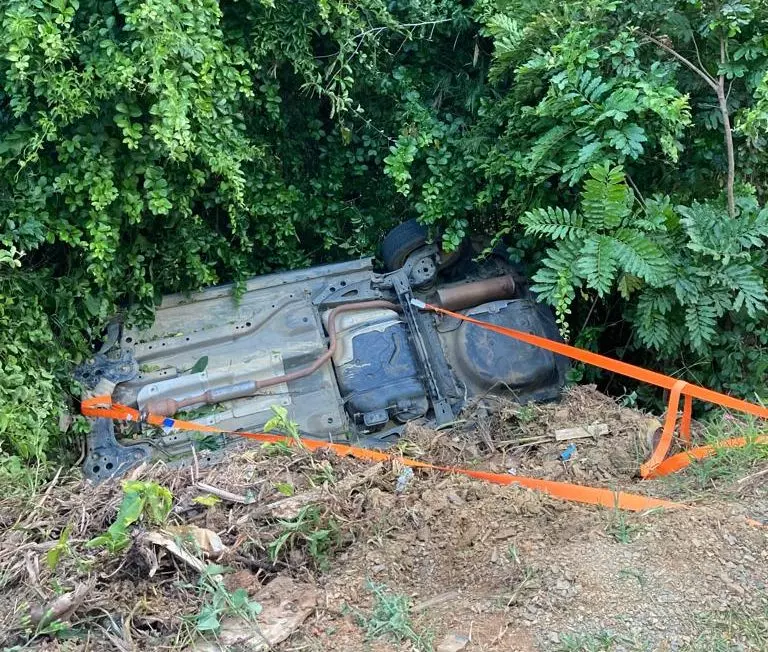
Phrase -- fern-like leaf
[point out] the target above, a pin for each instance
(543, 151)
(651, 326)
(750, 289)
(598, 264)
(710, 231)
(557, 223)
(701, 320)
(606, 200)
(641, 256)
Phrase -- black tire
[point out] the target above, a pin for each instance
(401, 242)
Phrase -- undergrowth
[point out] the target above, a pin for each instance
(220, 602)
(141, 500)
(390, 618)
(740, 628)
(313, 530)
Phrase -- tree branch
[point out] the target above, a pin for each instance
(717, 85)
(698, 55)
(711, 82)
(722, 100)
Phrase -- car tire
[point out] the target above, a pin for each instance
(401, 242)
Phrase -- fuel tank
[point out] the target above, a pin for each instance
(490, 363)
(377, 369)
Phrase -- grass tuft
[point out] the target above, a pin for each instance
(391, 619)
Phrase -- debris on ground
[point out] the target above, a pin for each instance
(284, 549)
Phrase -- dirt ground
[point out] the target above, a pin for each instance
(374, 558)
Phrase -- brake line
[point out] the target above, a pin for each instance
(170, 406)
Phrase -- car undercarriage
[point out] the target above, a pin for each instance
(341, 347)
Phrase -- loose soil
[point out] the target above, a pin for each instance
(486, 567)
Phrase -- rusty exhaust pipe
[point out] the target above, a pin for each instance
(166, 407)
(472, 294)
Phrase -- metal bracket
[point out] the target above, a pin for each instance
(106, 458)
(337, 293)
(431, 357)
(101, 367)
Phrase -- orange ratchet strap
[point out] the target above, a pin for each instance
(102, 407)
(654, 466)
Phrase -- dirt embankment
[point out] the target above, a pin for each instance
(340, 555)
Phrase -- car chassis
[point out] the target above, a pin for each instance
(341, 347)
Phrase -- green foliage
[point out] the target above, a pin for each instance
(685, 272)
(391, 619)
(60, 549)
(31, 357)
(604, 246)
(318, 533)
(141, 500)
(729, 464)
(283, 424)
(220, 602)
(207, 500)
(151, 146)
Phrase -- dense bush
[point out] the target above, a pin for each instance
(660, 255)
(149, 146)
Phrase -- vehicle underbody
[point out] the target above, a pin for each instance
(340, 347)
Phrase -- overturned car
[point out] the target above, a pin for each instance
(340, 346)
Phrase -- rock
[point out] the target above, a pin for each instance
(453, 643)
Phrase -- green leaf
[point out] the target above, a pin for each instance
(285, 488)
(61, 547)
(628, 140)
(207, 620)
(598, 264)
(606, 200)
(557, 223)
(208, 500)
(700, 320)
(641, 256)
(628, 284)
(200, 366)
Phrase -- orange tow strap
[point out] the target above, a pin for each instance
(681, 460)
(655, 466)
(102, 407)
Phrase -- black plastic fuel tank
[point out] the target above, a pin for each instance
(377, 369)
(488, 362)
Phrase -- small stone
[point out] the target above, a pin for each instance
(453, 643)
(423, 533)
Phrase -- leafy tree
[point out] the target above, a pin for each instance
(673, 93)
(149, 146)
(617, 148)
(683, 267)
